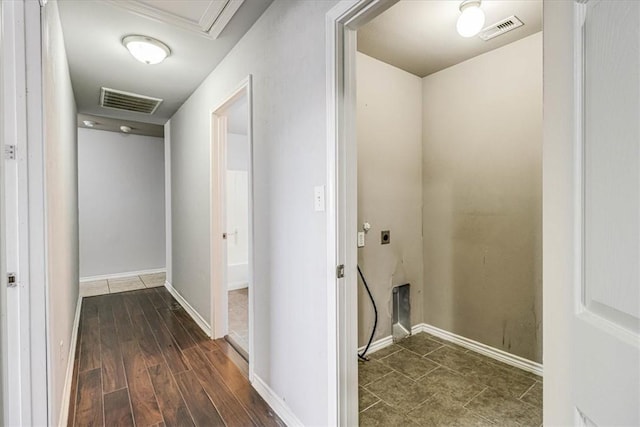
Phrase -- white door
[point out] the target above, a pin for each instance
(592, 213)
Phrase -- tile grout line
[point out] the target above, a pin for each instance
(372, 405)
(470, 353)
(527, 390)
(476, 395)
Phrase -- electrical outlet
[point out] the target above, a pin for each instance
(385, 237)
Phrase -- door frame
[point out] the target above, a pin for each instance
(219, 300)
(4, 354)
(342, 22)
(26, 394)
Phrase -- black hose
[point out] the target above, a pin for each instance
(375, 321)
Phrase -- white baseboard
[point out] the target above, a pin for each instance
(206, 328)
(68, 381)
(492, 352)
(386, 341)
(237, 285)
(486, 350)
(122, 275)
(275, 402)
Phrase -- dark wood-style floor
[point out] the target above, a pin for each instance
(141, 360)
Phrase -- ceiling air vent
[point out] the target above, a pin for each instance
(120, 100)
(500, 27)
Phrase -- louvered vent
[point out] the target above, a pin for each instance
(501, 27)
(120, 100)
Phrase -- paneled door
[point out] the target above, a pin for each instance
(592, 213)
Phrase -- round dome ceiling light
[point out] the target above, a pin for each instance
(125, 129)
(89, 123)
(146, 49)
(471, 19)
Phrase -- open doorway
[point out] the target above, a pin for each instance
(232, 228)
(442, 192)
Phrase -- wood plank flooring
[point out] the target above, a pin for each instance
(142, 361)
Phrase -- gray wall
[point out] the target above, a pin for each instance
(389, 134)
(61, 172)
(121, 201)
(285, 53)
(482, 176)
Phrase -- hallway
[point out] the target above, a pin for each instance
(141, 360)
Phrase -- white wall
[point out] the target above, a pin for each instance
(482, 198)
(237, 197)
(285, 53)
(60, 140)
(238, 156)
(237, 217)
(389, 119)
(121, 200)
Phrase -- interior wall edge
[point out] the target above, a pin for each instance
(200, 321)
(66, 393)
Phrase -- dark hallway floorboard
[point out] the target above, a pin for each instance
(141, 360)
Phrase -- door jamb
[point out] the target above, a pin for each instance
(23, 127)
(219, 300)
(342, 22)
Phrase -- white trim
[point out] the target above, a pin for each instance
(167, 201)
(219, 286)
(214, 19)
(387, 341)
(122, 275)
(223, 19)
(206, 328)
(475, 346)
(486, 350)
(36, 326)
(341, 24)
(275, 402)
(66, 391)
(237, 285)
(377, 345)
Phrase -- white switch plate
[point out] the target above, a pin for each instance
(361, 239)
(318, 198)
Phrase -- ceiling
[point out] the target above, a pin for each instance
(196, 31)
(419, 36)
(113, 125)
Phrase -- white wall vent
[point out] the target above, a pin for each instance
(127, 101)
(500, 27)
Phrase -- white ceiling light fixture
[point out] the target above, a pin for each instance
(89, 123)
(146, 49)
(471, 19)
(125, 129)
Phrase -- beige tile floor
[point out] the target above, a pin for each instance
(239, 317)
(426, 381)
(124, 284)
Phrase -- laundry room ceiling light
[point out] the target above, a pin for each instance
(471, 19)
(146, 49)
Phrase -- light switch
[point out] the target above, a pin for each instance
(361, 239)
(318, 198)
